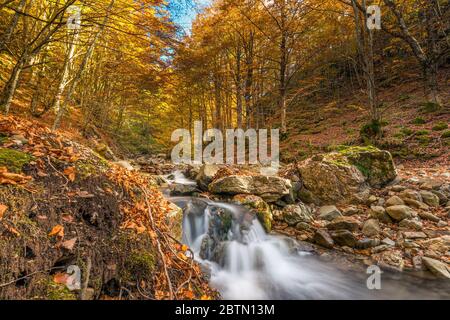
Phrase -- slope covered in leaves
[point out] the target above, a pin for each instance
(63, 205)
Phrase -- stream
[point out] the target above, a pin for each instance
(246, 263)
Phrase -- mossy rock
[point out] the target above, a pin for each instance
(14, 160)
(259, 206)
(138, 266)
(375, 164)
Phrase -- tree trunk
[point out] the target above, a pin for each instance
(11, 84)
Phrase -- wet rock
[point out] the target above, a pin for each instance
(417, 262)
(183, 189)
(270, 188)
(394, 201)
(206, 175)
(428, 216)
(257, 206)
(329, 213)
(344, 238)
(379, 213)
(371, 228)
(430, 198)
(322, 238)
(414, 235)
(399, 212)
(437, 267)
(390, 259)
(293, 214)
(343, 223)
(411, 224)
(303, 226)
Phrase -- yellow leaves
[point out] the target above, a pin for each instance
(13, 230)
(3, 209)
(184, 248)
(70, 173)
(57, 231)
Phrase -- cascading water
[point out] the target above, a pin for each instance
(246, 263)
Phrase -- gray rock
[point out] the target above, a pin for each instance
(410, 194)
(322, 238)
(183, 189)
(428, 216)
(380, 248)
(380, 214)
(371, 228)
(344, 238)
(442, 197)
(206, 175)
(394, 201)
(303, 226)
(270, 188)
(430, 198)
(350, 211)
(388, 242)
(295, 213)
(343, 223)
(437, 267)
(411, 224)
(441, 224)
(400, 212)
(329, 213)
(414, 235)
(416, 204)
(367, 243)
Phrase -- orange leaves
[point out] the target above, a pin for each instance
(57, 231)
(61, 277)
(70, 173)
(3, 209)
(12, 178)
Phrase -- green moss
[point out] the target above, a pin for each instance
(423, 139)
(3, 138)
(139, 265)
(57, 291)
(371, 129)
(429, 107)
(406, 131)
(445, 134)
(440, 126)
(422, 132)
(419, 120)
(14, 160)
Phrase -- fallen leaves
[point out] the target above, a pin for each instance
(3, 209)
(12, 178)
(70, 173)
(69, 244)
(57, 231)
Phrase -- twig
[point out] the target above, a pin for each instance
(27, 276)
(51, 165)
(158, 244)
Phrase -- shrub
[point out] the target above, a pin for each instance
(419, 120)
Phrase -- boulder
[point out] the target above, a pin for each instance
(206, 175)
(270, 188)
(430, 198)
(371, 228)
(344, 238)
(437, 267)
(414, 235)
(295, 213)
(327, 181)
(394, 201)
(258, 206)
(343, 223)
(322, 238)
(182, 189)
(174, 219)
(416, 204)
(400, 212)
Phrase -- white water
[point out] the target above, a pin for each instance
(254, 265)
(177, 177)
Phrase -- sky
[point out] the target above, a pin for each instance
(184, 11)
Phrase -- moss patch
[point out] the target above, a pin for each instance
(440, 126)
(57, 291)
(138, 266)
(445, 134)
(14, 160)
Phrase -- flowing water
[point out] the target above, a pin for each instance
(246, 263)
